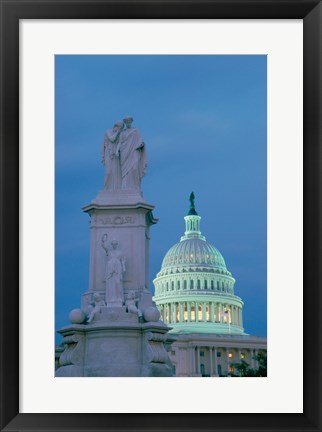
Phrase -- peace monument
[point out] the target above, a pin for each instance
(117, 329)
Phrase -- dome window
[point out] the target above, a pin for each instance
(206, 284)
(191, 283)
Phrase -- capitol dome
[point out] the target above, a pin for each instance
(193, 252)
(194, 290)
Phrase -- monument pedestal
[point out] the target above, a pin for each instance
(114, 345)
(128, 224)
(117, 332)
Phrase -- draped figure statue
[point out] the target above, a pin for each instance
(132, 156)
(115, 269)
(124, 157)
(111, 157)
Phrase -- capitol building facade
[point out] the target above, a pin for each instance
(194, 292)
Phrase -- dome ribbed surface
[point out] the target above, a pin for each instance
(194, 252)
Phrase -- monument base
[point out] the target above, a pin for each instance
(115, 344)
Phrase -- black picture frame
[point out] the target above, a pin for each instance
(14, 10)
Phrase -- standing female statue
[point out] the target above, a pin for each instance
(111, 157)
(114, 275)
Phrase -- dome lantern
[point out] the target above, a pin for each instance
(192, 222)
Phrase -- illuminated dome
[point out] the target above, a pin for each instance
(194, 290)
(194, 252)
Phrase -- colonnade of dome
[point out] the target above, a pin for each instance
(201, 311)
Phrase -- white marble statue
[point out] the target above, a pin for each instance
(131, 304)
(115, 269)
(132, 156)
(96, 304)
(111, 157)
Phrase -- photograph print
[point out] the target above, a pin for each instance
(161, 216)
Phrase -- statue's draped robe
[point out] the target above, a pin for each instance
(133, 158)
(113, 176)
(114, 276)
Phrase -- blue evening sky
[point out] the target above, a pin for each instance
(203, 119)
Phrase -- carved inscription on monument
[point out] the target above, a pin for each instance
(116, 220)
(113, 220)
